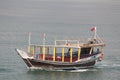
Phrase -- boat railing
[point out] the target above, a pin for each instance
(79, 42)
(67, 42)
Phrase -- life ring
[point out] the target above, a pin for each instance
(67, 44)
(101, 55)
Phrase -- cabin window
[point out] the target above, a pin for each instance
(85, 51)
(97, 49)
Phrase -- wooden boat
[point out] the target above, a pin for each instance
(64, 54)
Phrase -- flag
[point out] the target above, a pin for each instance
(43, 35)
(93, 28)
(29, 33)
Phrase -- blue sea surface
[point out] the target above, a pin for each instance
(59, 19)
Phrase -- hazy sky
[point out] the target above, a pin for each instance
(78, 11)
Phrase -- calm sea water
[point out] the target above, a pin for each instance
(58, 19)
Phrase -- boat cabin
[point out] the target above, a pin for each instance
(65, 50)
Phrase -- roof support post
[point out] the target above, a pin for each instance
(70, 55)
(43, 50)
(28, 49)
(63, 54)
(54, 53)
(79, 53)
(34, 51)
(91, 50)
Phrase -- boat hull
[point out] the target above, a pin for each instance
(46, 65)
(33, 63)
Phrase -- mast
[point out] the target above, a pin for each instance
(29, 43)
(43, 46)
(95, 33)
(94, 29)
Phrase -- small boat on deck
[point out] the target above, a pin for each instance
(64, 54)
